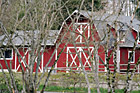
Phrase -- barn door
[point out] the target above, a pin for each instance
(73, 62)
(23, 60)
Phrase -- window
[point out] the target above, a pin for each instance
(7, 54)
(132, 55)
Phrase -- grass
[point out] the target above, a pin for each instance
(79, 89)
(63, 89)
(60, 82)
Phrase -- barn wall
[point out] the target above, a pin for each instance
(15, 61)
(137, 54)
(47, 54)
(62, 59)
(62, 62)
(124, 58)
(44, 58)
(101, 53)
(22, 52)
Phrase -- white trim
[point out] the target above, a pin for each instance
(67, 60)
(56, 58)
(15, 61)
(22, 60)
(138, 41)
(82, 23)
(76, 11)
(42, 60)
(81, 30)
(80, 50)
(11, 55)
(6, 70)
(133, 56)
(106, 61)
(118, 59)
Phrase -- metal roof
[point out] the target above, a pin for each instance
(110, 18)
(25, 38)
(124, 23)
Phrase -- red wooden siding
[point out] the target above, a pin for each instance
(62, 59)
(111, 61)
(47, 54)
(124, 58)
(101, 53)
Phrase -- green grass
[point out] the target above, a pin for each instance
(79, 90)
(62, 89)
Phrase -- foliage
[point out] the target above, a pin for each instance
(138, 13)
(72, 5)
(21, 15)
(3, 86)
(17, 10)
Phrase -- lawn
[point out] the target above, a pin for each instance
(80, 90)
(68, 82)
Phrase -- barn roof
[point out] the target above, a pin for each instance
(25, 38)
(124, 23)
(110, 18)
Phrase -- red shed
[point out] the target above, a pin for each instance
(22, 40)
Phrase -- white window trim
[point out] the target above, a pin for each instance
(11, 55)
(133, 56)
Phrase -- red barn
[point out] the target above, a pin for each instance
(86, 27)
(82, 38)
(22, 41)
